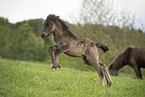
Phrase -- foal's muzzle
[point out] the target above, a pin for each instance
(43, 35)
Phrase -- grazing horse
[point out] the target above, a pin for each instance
(132, 56)
(66, 42)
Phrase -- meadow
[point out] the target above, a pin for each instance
(35, 79)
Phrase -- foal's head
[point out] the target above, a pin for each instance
(49, 25)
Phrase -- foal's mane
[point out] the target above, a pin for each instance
(65, 26)
(53, 18)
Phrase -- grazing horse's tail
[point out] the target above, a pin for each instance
(103, 46)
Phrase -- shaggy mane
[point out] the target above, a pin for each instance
(53, 18)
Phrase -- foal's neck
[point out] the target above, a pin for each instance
(58, 29)
(61, 30)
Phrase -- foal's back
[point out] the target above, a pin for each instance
(78, 47)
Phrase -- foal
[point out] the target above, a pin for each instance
(66, 42)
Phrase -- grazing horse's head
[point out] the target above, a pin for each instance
(121, 60)
(49, 25)
(115, 65)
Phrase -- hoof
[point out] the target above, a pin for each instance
(139, 77)
(53, 69)
(59, 66)
(109, 84)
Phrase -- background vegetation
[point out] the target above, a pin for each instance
(99, 21)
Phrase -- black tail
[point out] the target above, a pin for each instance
(103, 46)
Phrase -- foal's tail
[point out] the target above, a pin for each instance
(103, 46)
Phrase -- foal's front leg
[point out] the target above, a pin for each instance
(54, 52)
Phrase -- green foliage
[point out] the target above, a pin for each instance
(34, 79)
(4, 21)
(115, 37)
(36, 25)
(20, 42)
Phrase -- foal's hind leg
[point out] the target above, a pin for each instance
(107, 76)
(85, 60)
(93, 60)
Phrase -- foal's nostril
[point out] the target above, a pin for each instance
(42, 35)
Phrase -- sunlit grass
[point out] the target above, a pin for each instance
(34, 79)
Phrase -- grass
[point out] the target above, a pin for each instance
(34, 79)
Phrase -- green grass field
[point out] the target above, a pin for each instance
(34, 79)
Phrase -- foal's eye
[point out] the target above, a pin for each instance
(49, 25)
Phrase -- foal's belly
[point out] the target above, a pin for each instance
(76, 51)
(78, 48)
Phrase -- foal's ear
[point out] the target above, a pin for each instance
(57, 18)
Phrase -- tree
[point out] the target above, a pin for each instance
(97, 12)
(29, 44)
(19, 41)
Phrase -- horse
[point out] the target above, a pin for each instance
(66, 42)
(132, 56)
